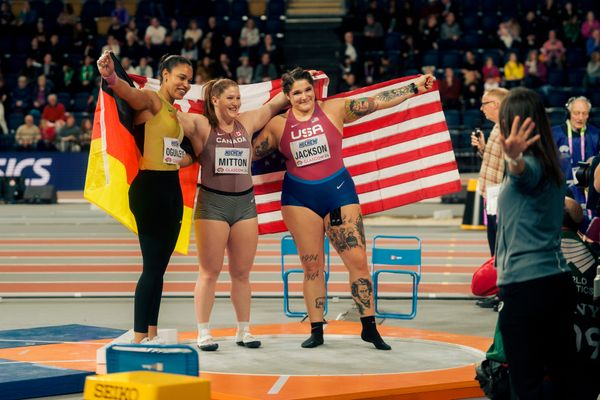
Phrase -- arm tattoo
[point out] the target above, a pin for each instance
(356, 108)
(319, 302)
(263, 149)
(362, 293)
(390, 95)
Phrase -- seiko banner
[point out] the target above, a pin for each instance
(66, 171)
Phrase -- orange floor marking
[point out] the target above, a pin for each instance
(439, 384)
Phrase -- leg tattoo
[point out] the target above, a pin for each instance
(311, 277)
(349, 235)
(319, 302)
(362, 290)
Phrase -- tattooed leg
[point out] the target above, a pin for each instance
(347, 236)
(362, 294)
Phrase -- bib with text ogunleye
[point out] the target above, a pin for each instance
(231, 160)
(172, 153)
(310, 151)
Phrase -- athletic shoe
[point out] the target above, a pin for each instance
(207, 343)
(246, 339)
(488, 302)
(156, 340)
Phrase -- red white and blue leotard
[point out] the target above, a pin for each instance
(316, 177)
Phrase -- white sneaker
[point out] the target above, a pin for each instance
(245, 339)
(207, 343)
(156, 340)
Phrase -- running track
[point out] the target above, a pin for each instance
(70, 250)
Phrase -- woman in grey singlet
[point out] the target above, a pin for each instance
(225, 216)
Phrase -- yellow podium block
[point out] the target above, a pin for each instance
(146, 385)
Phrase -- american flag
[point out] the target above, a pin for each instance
(396, 156)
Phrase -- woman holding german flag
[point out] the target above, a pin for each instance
(155, 197)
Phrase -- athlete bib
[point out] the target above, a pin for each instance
(231, 160)
(310, 151)
(172, 153)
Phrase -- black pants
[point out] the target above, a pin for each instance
(156, 202)
(536, 322)
(491, 233)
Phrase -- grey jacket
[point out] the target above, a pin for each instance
(530, 214)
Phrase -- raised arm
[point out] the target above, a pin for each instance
(255, 120)
(139, 100)
(196, 128)
(357, 108)
(267, 140)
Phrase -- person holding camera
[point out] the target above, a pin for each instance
(492, 165)
(575, 139)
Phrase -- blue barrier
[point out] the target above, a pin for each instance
(66, 171)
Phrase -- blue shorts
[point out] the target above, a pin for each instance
(322, 196)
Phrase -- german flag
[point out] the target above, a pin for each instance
(114, 159)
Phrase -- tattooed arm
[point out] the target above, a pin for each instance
(267, 140)
(359, 107)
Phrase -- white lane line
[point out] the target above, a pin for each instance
(279, 384)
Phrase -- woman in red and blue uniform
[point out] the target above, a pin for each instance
(318, 195)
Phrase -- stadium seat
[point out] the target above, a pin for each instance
(221, 8)
(274, 25)
(470, 40)
(53, 9)
(393, 41)
(556, 77)
(431, 57)
(595, 117)
(450, 59)
(276, 8)
(575, 57)
(80, 116)
(594, 97)
(145, 10)
(556, 115)
(39, 7)
(239, 8)
(10, 80)
(557, 96)
(469, 22)
(469, 6)
(14, 120)
(6, 45)
(107, 7)
(64, 98)
(575, 76)
(527, 5)
(452, 118)
(90, 10)
(489, 7)
(235, 25)
(7, 142)
(80, 101)
(489, 23)
(16, 62)
(472, 119)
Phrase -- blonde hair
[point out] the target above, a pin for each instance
(497, 93)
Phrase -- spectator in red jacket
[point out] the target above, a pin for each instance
(54, 111)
